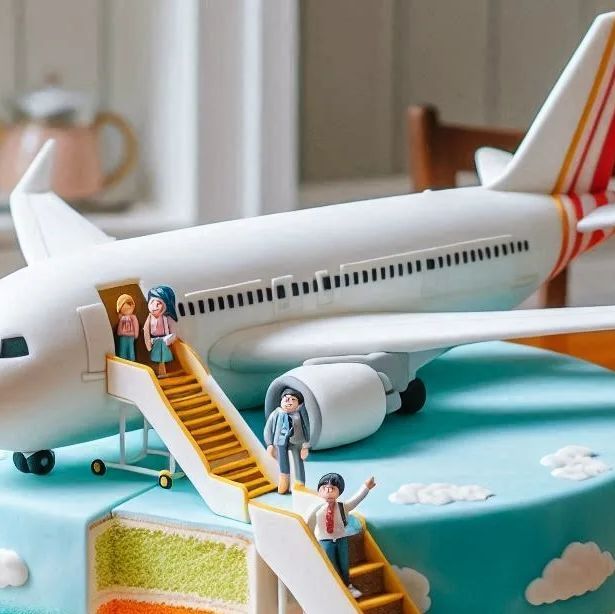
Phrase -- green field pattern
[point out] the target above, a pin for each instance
(156, 560)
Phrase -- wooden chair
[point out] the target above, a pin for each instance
(437, 152)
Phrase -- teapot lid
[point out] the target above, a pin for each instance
(54, 103)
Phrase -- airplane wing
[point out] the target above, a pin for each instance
(46, 226)
(272, 347)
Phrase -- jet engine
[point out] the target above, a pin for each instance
(345, 402)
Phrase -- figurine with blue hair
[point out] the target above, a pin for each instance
(159, 330)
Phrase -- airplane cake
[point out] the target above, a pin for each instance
(141, 480)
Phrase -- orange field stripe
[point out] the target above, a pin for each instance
(129, 606)
(580, 129)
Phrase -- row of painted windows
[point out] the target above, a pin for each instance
(378, 273)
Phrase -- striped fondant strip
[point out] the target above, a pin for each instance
(593, 116)
(129, 606)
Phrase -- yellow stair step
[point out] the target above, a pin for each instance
(369, 603)
(191, 401)
(203, 411)
(208, 430)
(242, 473)
(201, 441)
(237, 464)
(252, 494)
(224, 450)
(186, 389)
(170, 382)
(203, 420)
(176, 373)
(365, 568)
(255, 483)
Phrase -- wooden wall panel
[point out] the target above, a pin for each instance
(61, 37)
(536, 40)
(447, 52)
(8, 48)
(346, 95)
(441, 58)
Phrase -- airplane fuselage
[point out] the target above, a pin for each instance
(469, 249)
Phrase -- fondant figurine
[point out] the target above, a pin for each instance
(159, 329)
(127, 327)
(331, 521)
(287, 430)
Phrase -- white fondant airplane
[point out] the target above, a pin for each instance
(392, 282)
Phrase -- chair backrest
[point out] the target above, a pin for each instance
(437, 152)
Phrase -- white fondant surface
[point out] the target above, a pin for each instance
(417, 586)
(574, 463)
(438, 493)
(582, 568)
(13, 571)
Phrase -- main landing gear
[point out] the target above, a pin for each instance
(413, 397)
(39, 463)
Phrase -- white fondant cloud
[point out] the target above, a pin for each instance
(3, 455)
(417, 586)
(13, 571)
(574, 463)
(581, 568)
(438, 494)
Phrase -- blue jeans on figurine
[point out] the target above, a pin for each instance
(125, 348)
(295, 450)
(337, 551)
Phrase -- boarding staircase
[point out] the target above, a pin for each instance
(230, 469)
(201, 428)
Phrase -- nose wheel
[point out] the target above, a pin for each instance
(39, 463)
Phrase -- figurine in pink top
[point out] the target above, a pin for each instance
(159, 329)
(127, 327)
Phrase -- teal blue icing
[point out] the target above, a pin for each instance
(181, 505)
(494, 410)
(45, 520)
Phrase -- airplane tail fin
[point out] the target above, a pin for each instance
(570, 147)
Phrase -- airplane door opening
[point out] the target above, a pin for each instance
(109, 298)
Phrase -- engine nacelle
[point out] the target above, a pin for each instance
(345, 402)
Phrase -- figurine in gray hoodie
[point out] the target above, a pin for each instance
(287, 430)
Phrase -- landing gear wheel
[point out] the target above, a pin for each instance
(165, 480)
(20, 462)
(98, 467)
(413, 398)
(39, 463)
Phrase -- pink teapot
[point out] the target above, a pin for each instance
(68, 118)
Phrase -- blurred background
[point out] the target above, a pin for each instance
(257, 106)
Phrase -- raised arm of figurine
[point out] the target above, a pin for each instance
(351, 503)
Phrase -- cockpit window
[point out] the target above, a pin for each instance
(13, 347)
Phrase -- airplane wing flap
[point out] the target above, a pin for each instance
(273, 347)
